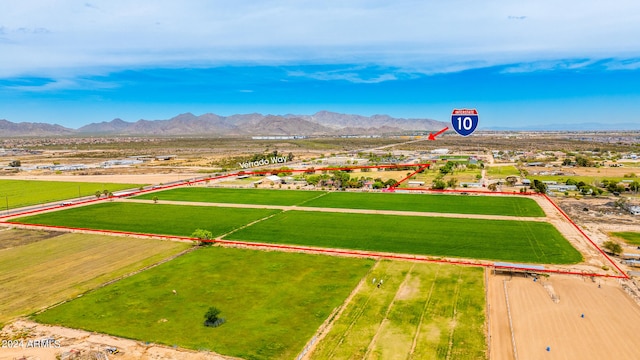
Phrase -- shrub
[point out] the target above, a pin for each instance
(211, 317)
(202, 235)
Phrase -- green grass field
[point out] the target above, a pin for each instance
(273, 302)
(234, 196)
(502, 171)
(151, 218)
(43, 273)
(421, 311)
(519, 241)
(19, 193)
(631, 238)
(486, 205)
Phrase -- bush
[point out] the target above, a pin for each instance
(203, 235)
(612, 247)
(211, 317)
(438, 184)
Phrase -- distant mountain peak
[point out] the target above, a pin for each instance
(11, 129)
(321, 123)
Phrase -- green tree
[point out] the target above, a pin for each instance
(202, 234)
(584, 161)
(98, 194)
(15, 163)
(313, 179)
(438, 184)
(613, 247)
(391, 182)
(155, 199)
(452, 183)
(340, 178)
(539, 186)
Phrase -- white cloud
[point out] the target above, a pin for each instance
(358, 75)
(85, 37)
(631, 64)
(63, 84)
(550, 65)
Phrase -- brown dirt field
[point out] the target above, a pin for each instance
(609, 329)
(601, 172)
(593, 258)
(119, 179)
(15, 237)
(88, 344)
(606, 171)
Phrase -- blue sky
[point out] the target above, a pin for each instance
(520, 63)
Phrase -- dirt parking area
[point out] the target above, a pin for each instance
(561, 317)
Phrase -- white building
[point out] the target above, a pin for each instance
(274, 178)
(440, 151)
(562, 187)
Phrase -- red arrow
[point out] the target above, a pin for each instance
(433, 136)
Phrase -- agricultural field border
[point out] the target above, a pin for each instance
(334, 251)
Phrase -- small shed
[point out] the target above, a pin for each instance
(511, 268)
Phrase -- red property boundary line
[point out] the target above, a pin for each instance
(625, 276)
(325, 251)
(238, 173)
(421, 167)
(410, 175)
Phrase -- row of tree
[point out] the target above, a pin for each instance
(342, 179)
(106, 193)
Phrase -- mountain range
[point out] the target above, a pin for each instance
(320, 123)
